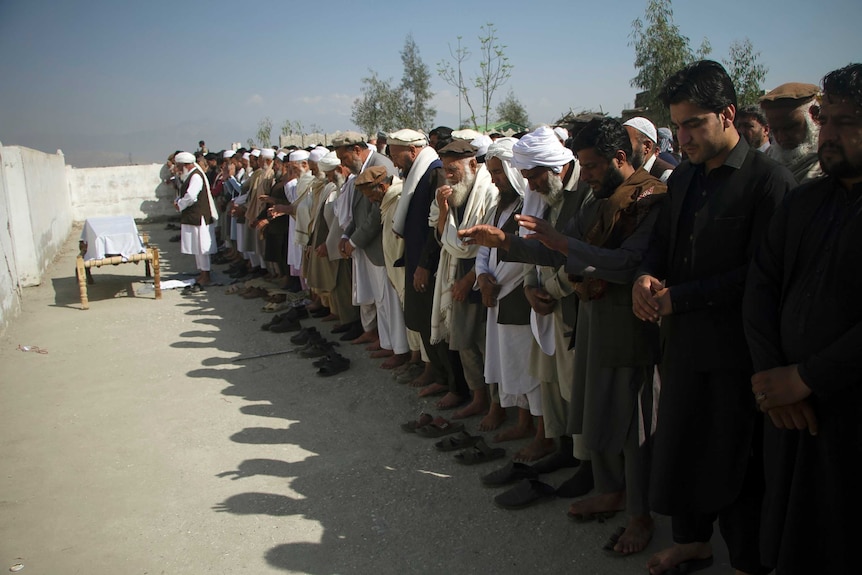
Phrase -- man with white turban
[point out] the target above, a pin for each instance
(553, 173)
(422, 171)
(508, 333)
(256, 208)
(469, 198)
(644, 138)
(198, 212)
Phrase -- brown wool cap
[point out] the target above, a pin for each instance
(790, 94)
(348, 139)
(371, 176)
(458, 149)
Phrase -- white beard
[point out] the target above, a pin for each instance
(185, 174)
(461, 190)
(555, 195)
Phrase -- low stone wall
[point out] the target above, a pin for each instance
(135, 191)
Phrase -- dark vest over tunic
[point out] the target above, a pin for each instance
(201, 208)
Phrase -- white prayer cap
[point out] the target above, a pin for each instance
(281, 156)
(541, 148)
(468, 135)
(407, 138)
(643, 126)
(298, 156)
(228, 154)
(562, 134)
(184, 158)
(246, 156)
(267, 153)
(482, 143)
(256, 152)
(317, 153)
(328, 162)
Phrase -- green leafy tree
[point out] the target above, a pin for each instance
(747, 74)
(510, 109)
(415, 90)
(378, 108)
(660, 50)
(264, 132)
(494, 71)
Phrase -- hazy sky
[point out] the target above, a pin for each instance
(106, 80)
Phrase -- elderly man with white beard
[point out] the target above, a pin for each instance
(791, 110)
(554, 175)
(197, 234)
(469, 198)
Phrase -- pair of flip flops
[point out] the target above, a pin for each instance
(439, 427)
(510, 473)
(525, 493)
(481, 452)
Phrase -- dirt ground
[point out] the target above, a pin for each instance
(136, 445)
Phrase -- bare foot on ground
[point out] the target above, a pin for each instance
(495, 418)
(637, 535)
(536, 450)
(433, 389)
(473, 408)
(604, 503)
(669, 558)
(514, 433)
(423, 380)
(449, 401)
(395, 360)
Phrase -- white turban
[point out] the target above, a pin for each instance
(267, 153)
(562, 133)
(643, 126)
(407, 138)
(246, 156)
(184, 158)
(502, 150)
(228, 154)
(298, 156)
(482, 143)
(328, 162)
(317, 153)
(255, 152)
(541, 148)
(281, 156)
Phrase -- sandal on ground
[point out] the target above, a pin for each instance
(510, 473)
(412, 426)
(525, 494)
(480, 453)
(439, 428)
(460, 440)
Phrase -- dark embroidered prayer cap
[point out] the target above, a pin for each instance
(458, 149)
(371, 176)
(790, 94)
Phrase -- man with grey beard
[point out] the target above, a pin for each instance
(791, 109)
(468, 198)
(553, 175)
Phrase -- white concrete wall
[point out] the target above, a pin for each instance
(134, 191)
(10, 292)
(40, 215)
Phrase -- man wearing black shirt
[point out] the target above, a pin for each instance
(803, 320)
(706, 458)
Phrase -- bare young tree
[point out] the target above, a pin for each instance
(494, 71)
(264, 132)
(495, 68)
